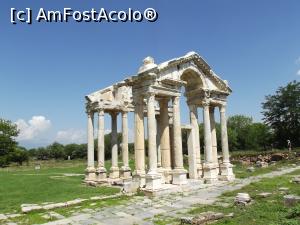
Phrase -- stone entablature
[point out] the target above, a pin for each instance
(154, 92)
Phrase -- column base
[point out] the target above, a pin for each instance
(101, 175)
(166, 175)
(114, 172)
(125, 172)
(226, 172)
(210, 173)
(90, 175)
(200, 171)
(140, 176)
(179, 176)
(153, 182)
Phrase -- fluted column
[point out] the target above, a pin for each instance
(225, 166)
(139, 136)
(151, 134)
(196, 138)
(114, 170)
(224, 136)
(210, 173)
(207, 134)
(153, 181)
(213, 134)
(179, 174)
(158, 137)
(90, 171)
(165, 134)
(125, 170)
(101, 171)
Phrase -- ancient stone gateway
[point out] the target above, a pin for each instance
(155, 93)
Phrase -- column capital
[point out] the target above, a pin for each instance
(222, 107)
(192, 107)
(212, 109)
(176, 100)
(124, 114)
(150, 96)
(206, 103)
(114, 113)
(101, 112)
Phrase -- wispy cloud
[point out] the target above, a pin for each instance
(298, 61)
(298, 72)
(71, 136)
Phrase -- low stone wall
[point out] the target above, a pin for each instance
(264, 157)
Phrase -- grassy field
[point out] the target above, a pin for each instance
(51, 183)
(270, 210)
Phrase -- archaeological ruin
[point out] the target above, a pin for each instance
(154, 93)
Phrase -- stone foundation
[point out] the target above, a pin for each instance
(226, 172)
(210, 173)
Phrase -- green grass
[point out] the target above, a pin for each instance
(262, 211)
(25, 185)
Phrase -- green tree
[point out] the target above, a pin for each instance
(19, 155)
(8, 133)
(282, 113)
(56, 151)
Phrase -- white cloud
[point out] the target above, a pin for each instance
(33, 128)
(71, 136)
(298, 72)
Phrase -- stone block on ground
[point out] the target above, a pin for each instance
(242, 199)
(296, 179)
(202, 218)
(264, 194)
(291, 200)
(251, 169)
(3, 217)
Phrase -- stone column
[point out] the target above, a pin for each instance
(226, 166)
(101, 171)
(125, 170)
(213, 135)
(153, 181)
(165, 139)
(179, 173)
(209, 169)
(196, 138)
(158, 137)
(139, 140)
(114, 170)
(90, 170)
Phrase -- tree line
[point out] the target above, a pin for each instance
(281, 122)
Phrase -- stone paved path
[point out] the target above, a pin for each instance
(141, 210)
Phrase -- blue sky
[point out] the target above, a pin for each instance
(47, 69)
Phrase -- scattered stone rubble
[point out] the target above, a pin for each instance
(242, 199)
(202, 218)
(265, 158)
(296, 179)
